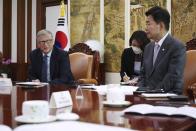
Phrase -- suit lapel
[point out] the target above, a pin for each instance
(39, 60)
(163, 50)
(151, 53)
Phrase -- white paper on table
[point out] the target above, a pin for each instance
(157, 94)
(69, 126)
(128, 90)
(164, 110)
(32, 83)
(88, 86)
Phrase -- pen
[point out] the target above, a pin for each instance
(125, 73)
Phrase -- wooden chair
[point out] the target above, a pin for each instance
(191, 45)
(84, 64)
(189, 71)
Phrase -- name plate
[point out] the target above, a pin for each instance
(60, 99)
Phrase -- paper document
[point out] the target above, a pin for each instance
(32, 83)
(157, 94)
(128, 90)
(162, 110)
(129, 82)
(88, 86)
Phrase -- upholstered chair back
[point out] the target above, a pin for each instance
(191, 45)
(190, 70)
(81, 65)
(85, 64)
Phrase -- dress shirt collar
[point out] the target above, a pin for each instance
(49, 54)
(162, 40)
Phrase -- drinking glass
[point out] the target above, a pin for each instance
(79, 94)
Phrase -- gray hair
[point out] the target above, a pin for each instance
(44, 32)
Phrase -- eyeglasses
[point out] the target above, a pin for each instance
(45, 41)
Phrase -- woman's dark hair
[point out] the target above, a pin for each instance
(141, 37)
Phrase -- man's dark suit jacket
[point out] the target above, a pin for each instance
(168, 71)
(60, 71)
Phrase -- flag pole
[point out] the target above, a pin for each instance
(62, 39)
(62, 9)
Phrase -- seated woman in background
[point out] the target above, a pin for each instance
(131, 59)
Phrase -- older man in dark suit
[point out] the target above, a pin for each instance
(164, 59)
(48, 62)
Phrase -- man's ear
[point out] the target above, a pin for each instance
(38, 45)
(162, 25)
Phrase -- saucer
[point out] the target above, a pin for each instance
(23, 119)
(67, 116)
(116, 104)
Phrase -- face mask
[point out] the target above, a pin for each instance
(136, 50)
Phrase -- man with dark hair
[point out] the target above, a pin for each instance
(48, 62)
(164, 59)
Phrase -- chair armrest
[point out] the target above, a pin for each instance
(87, 81)
(191, 91)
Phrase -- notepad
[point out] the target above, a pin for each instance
(32, 83)
(88, 86)
(154, 95)
(145, 109)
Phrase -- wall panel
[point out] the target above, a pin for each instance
(21, 31)
(1, 25)
(34, 24)
(14, 32)
(29, 28)
(7, 9)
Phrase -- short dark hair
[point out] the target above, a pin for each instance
(159, 15)
(141, 37)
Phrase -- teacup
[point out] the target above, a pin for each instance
(115, 95)
(35, 110)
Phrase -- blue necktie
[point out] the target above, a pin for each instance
(45, 69)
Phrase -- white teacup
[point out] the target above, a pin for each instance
(35, 109)
(115, 95)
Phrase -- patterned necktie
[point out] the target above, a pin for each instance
(156, 51)
(45, 69)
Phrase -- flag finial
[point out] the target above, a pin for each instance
(62, 9)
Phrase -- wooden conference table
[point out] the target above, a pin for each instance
(90, 109)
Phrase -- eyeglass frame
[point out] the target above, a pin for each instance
(45, 41)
